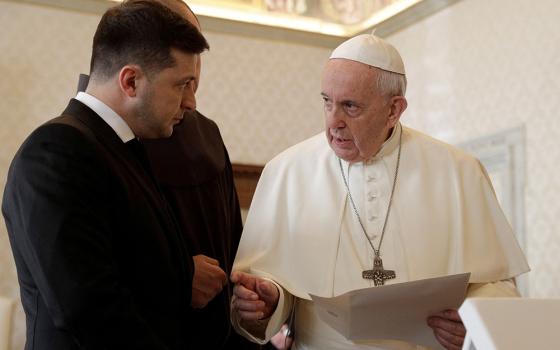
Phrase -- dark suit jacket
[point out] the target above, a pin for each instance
(195, 173)
(100, 261)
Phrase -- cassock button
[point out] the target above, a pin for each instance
(372, 237)
(370, 178)
(372, 195)
(372, 217)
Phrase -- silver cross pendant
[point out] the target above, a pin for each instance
(378, 274)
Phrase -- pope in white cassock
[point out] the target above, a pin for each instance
(334, 214)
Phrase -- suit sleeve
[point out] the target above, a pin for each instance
(56, 204)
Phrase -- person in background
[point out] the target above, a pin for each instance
(194, 171)
(100, 259)
(368, 203)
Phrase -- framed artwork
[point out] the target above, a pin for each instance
(338, 18)
(291, 20)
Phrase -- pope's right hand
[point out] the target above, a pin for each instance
(256, 298)
(281, 340)
(208, 280)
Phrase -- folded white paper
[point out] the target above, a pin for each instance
(395, 311)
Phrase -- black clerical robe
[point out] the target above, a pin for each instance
(195, 173)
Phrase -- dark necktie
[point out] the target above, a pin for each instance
(142, 157)
(140, 154)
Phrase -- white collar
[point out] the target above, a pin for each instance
(391, 144)
(115, 121)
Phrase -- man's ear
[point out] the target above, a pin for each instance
(398, 105)
(129, 77)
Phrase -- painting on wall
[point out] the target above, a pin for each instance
(345, 12)
(343, 18)
(330, 19)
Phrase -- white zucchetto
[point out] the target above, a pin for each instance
(371, 50)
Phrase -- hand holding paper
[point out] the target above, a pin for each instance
(396, 311)
(448, 329)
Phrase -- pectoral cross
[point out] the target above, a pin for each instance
(378, 274)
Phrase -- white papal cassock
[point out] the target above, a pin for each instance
(301, 231)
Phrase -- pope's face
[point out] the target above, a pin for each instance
(357, 118)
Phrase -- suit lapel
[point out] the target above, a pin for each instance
(109, 142)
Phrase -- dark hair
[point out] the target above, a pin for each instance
(141, 32)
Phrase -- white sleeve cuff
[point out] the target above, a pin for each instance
(270, 326)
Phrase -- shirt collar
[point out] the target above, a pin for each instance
(390, 145)
(115, 121)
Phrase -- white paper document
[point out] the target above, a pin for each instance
(395, 311)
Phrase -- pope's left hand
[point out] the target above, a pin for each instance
(448, 329)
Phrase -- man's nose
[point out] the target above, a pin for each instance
(335, 118)
(188, 101)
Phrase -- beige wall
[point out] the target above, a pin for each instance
(475, 68)
(264, 95)
(479, 67)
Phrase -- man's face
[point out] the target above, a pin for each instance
(357, 117)
(167, 96)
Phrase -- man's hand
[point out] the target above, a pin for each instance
(280, 340)
(208, 280)
(256, 298)
(448, 329)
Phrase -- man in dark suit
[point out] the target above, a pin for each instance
(101, 262)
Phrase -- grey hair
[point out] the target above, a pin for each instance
(391, 84)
